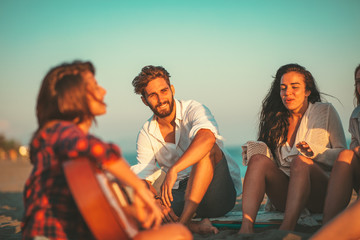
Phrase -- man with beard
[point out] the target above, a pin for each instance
(182, 138)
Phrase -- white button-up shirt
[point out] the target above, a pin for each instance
(153, 152)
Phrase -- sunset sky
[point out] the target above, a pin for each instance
(221, 53)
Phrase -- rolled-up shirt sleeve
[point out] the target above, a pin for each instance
(328, 154)
(202, 118)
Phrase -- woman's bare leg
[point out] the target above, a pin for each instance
(262, 175)
(345, 173)
(307, 188)
(344, 226)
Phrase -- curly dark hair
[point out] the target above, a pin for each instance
(147, 74)
(274, 123)
(62, 94)
(356, 92)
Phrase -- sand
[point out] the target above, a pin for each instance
(12, 178)
(14, 174)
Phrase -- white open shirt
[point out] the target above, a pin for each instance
(153, 151)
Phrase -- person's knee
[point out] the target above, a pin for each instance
(301, 163)
(216, 154)
(213, 157)
(346, 156)
(258, 161)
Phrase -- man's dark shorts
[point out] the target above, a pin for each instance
(219, 198)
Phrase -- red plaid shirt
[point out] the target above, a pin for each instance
(50, 209)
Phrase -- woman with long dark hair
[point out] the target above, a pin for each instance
(68, 102)
(299, 140)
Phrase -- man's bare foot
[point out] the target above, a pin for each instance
(202, 227)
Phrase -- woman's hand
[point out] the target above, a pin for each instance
(147, 211)
(168, 214)
(357, 151)
(303, 147)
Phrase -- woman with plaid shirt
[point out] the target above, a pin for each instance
(68, 101)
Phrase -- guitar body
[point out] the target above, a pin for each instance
(102, 202)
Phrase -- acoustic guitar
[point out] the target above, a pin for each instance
(104, 204)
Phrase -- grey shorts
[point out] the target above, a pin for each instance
(219, 198)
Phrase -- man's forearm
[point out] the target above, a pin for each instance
(201, 145)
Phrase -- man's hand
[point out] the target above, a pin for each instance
(166, 187)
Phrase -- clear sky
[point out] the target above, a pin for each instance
(221, 53)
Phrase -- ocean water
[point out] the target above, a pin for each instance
(235, 152)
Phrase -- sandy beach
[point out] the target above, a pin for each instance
(13, 175)
(12, 178)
